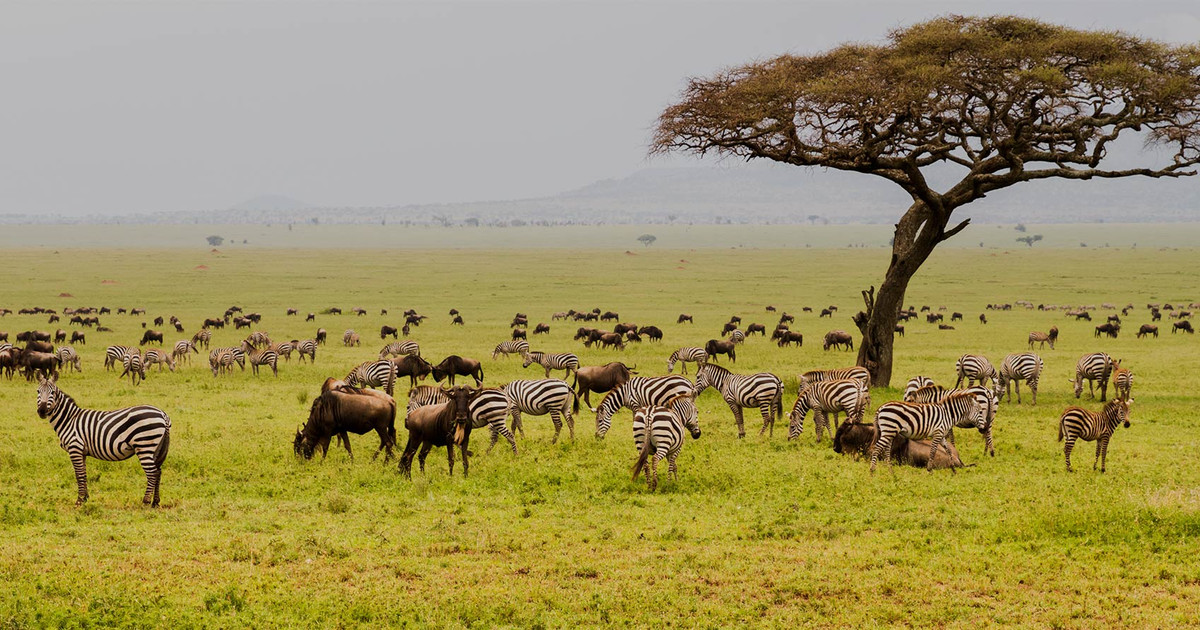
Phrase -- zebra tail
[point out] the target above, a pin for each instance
(575, 397)
(164, 445)
(642, 457)
(1060, 431)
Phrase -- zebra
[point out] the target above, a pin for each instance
(516, 346)
(220, 360)
(915, 383)
(134, 366)
(974, 367)
(988, 400)
(1017, 367)
(849, 395)
(922, 421)
(1042, 338)
(662, 436)
(108, 435)
(379, 373)
(488, 407)
(284, 349)
(68, 356)
(350, 338)
(115, 355)
(1122, 380)
(856, 372)
(536, 398)
(160, 357)
(737, 336)
(684, 355)
(307, 347)
(202, 338)
(397, 348)
(1093, 367)
(1077, 423)
(763, 390)
(182, 349)
(559, 361)
(268, 357)
(257, 339)
(638, 392)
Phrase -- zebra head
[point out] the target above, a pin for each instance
(48, 396)
(1122, 410)
(528, 360)
(684, 408)
(703, 380)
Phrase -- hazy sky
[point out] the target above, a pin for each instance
(182, 105)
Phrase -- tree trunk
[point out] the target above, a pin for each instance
(917, 233)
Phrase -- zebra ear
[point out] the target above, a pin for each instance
(54, 377)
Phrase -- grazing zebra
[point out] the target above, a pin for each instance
(1093, 367)
(489, 407)
(220, 360)
(1042, 338)
(1079, 423)
(638, 392)
(737, 336)
(683, 356)
(308, 348)
(987, 399)
(541, 397)
(558, 361)
(915, 383)
(398, 348)
(115, 355)
(516, 346)
(351, 339)
(1017, 367)
(134, 367)
(661, 429)
(284, 349)
(160, 357)
(379, 373)
(268, 357)
(257, 339)
(856, 372)
(917, 421)
(202, 338)
(1122, 380)
(763, 390)
(974, 367)
(107, 435)
(182, 349)
(68, 356)
(825, 397)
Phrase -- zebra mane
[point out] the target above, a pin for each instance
(715, 367)
(673, 399)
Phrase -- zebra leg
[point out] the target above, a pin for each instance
(768, 419)
(1017, 384)
(1103, 389)
(1068, 446)
(495, 432)
(554, 417)
(79, 463)
(883, 445)
(987, 437)
(821, 421)
(1033, 390)
(652, 480)
(671, 457)
(516, 422)
(1099, 447)
(570, 421)
(1104, 453)
(737, 417)
(1091, 388)
(153, 474)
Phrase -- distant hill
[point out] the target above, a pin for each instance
(270, 203)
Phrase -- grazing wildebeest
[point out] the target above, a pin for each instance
(44, 364)
(945, 327)
(541, 329)
(789, 319)
(654, 333)
(683, 317)
(728, 328)
(457, 320)
(519, 333)
(445, 424)
(826, 313)
(413, 320)
(343, 409)
(414, 367)
(321, 335)
(334, 311)
(622, 329)
(1147, 329)
(53, 318)
(455, 365)
(835, 338)
(900, 329)
(311, 317)
(611, 340)
(610, 316)
(756, 328)
(933, 318)
(213, 323)
(39, 346)
(1184, 325)
(359, 311)
(982, 318)
(158, 321)
(787, 337)
(956, 317)
(385, 330)
(1109, 329)
(3, 336)
(60, 336)
(151, 336)
(770, 309)
(292, 311)
(519, 321)
(721, 346)
(600, 379)
(453, 312)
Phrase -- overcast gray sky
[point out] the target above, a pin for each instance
(116, 107)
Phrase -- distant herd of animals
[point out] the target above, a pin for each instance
(918, 430)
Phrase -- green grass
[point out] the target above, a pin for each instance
(760, 532)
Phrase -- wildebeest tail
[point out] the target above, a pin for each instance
(642, 456)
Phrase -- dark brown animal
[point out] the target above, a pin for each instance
(385, 330)
(519, 333)
(728, 328)
(916, 453)
(413, 367)
(292, 311)
(1109, 329)
(789, 319)
(611, 340)
(1147, 329)
(1184, 325)
(945, 327)
(956, 317)
(854, 438)
(151, 336)
(541, 329)
(683, 317)
(654, 333)
(44, 364)
(446, 424)
(721, 346)
(311, 317)
(982, 318)
(39, 346)
(60, 336)
(826, 313)
(900, 329)
(610, 316)
(457, 320)
(321, 335)
(835, 338)
(756, 328)
(342, 409)
(455, 365)
(600, 379)
(518, 321)
(788, 337)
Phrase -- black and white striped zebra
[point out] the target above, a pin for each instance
(538, 398)
(763, 390)
(1017, 367)
(932, 421)
(915, 383)
(987, 400)
(134, 366)
(557, 361)
(1122, 380)
(379, 373)
(112, 436)
(488, 407)
(638, 392)
(1040, 338)
(825, 397)
(685, 355)
(974, 367)
(350, 338)
(202, 338)
(1079, 423)
(737, 336)
(516, 346)
(661, 436)
(68, 357)
(269, 358)
(856, 372)
(284, 349)
(155, 356)
(1093, 367)
(183, 350)
(222, 360)
(306, 347)
(115, 356)
(399, 348)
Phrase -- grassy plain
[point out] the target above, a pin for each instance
(759, 532)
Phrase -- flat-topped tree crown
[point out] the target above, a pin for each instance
(1003, 99)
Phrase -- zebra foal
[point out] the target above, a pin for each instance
(1079, 423)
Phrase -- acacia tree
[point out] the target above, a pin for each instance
(1001, 100)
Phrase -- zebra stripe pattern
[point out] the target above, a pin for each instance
(1040, 338)
(134, 367)
(737, 336)
(558, 361)
(915, 383)
(856, 372)
(489, 407)
(1079, 423)
(538, 398)
(662, 436)
(974, 367)
(1093, 367)
(270, 358)
(116, 435)
(68, 356)
(284, 349)
(763, 390)
(685, 355)
(1122, 380)
(202, 338)
(115, 355)
(987, 400)
(638, 392)
(932, 421)
(1017, 367)
(160, 357)
(516, 346)
(381, 373)
(398, 348)
(183, 350)
(308, 348)
(350, 338)
(825, 397)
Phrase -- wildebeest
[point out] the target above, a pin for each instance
(213, 323)
(457, 320)
(446, 424)
(654, 333)
(541, 329)
(826, 313)
(519, 333)
(916, 453)
(1110, 329)
(788, 337)
(610, 316)
(982, 318)
(39, 346)
(386, 330)
(728, 328)
(158, 321)
(60, 336)
(292, 311)
(600, 379)
(721, 346)
(835, 338)
(756, 328)
(321, 335)
(44, 364)
(1147, 329)
(343, 409)
(933, 318)
(1184, 325)
(683, 317)
(414, 367)
(455, 365)
(623, 328)
(453, 312)
(518, 321)
(900, 329)
(611, 340)
(33, 335)
(151, 336)
(945, 327)
(311, 317)
(956, 317)
(854, 438)
(789, 319)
